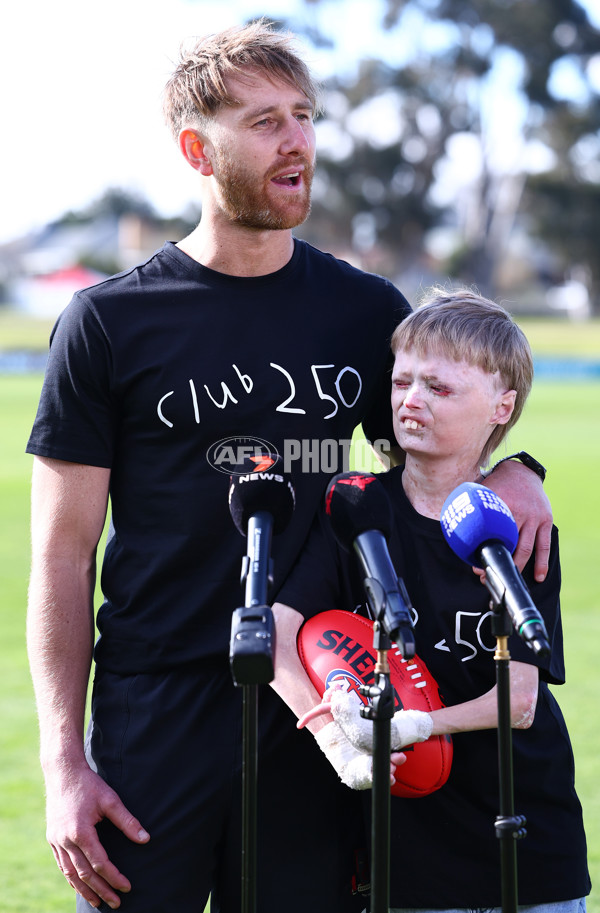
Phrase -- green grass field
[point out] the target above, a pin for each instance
(560, 426)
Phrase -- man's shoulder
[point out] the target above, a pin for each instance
(337, 263)
(334, 269)
(160, 273)
(157, 267)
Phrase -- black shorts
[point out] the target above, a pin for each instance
(170, 745)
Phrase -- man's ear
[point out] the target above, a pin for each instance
(505, 407)
(196, 151)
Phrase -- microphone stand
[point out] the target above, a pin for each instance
(381, 710)
(251, 659)
(509, 827)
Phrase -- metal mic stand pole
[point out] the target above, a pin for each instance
(249, 796)
(251, 659)
(381, 711)
(509, 827)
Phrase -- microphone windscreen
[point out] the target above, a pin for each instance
(474, 515)
(355, 503)
(269, 491)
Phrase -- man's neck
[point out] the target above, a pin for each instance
(237, 251)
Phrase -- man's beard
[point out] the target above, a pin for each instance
(244, 200)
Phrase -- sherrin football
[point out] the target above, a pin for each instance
(337, 646)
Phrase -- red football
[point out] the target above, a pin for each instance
(338, 646)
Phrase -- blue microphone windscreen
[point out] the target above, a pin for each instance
(474, 515)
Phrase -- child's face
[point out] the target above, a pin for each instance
(446, 408)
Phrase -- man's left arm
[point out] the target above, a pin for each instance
(523, 491)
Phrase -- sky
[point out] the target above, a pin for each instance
(82, 82)
(81, 107)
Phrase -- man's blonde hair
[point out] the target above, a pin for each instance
(198, 86)
(461, 325)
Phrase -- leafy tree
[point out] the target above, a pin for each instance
(392, 139)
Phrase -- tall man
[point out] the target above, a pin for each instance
(239, 331)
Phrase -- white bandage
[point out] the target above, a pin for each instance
(354, 768)
(410, 726)
(406, 727)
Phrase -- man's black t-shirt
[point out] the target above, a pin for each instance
(150, 369)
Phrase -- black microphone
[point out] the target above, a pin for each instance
(261, 505)
(361, 519)
(479, 528)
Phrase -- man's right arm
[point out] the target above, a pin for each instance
(68, 511)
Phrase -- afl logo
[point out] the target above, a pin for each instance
(350, 683)
(238, 456)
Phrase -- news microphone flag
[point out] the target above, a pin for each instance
(474, 514)
(479, 528)
(266, 492)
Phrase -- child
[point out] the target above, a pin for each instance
(462, 373)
